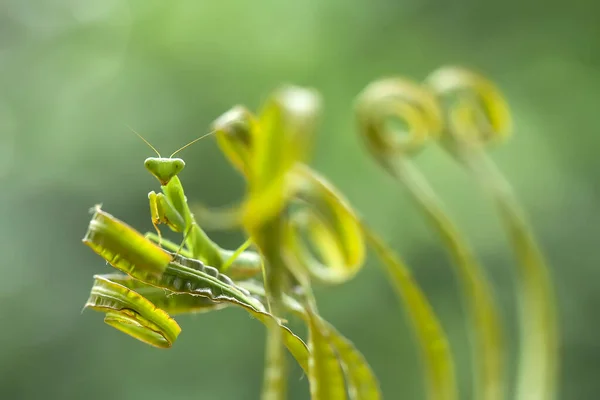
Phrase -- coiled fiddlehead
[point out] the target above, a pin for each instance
(476, 115)
(476, 111)
(309, 230)
(323, 240)
(398, 100)
(305, 201)
(325, 219)
(265, 149)
(310, 208)
(394, 98)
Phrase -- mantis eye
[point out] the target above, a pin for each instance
(151, 164)
(178, 164)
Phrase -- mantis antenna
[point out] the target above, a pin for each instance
(189, 144)
(147, 142)
(176, 151)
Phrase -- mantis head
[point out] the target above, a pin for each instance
(164, 169)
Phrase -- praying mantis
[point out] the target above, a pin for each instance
(171, 208)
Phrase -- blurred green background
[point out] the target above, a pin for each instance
(73, 73)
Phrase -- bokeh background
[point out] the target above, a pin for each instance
(74, 73)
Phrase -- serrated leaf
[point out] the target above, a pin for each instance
(122, 246)
(172, 303)
(182, 275)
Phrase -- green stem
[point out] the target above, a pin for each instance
(437, 356)
(267, 237)
(538, 364)
(485, 327)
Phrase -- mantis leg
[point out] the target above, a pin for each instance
(236, 254)
(238, 264)
(185, 236)
(162, 212)
(167, 244)
(197, 241)
(198, 246)
(155, 215)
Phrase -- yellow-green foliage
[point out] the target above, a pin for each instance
(306, 233)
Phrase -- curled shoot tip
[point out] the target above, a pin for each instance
(479, 108)
(399, 100)
(191, 143)
(145, 141)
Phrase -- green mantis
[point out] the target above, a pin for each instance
(171, 208)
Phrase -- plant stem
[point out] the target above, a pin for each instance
(436, 352)
(538, 365)
(486, 327)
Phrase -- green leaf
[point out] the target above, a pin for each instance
(287, 123)
(324, 370)
(362, 382)
(170, 302)
(133, 314)
(122, 246)
(182, 275)
(192, 277)
(242, 264)
(264, 149)
(236, 133)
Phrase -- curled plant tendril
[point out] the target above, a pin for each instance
(479, 115)
(133, 314)
(418, 108)
(322, 239)
(265, 149)
(393, 98)
(477, 110)
(330, 224)
(310, 231)
(308, 202)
